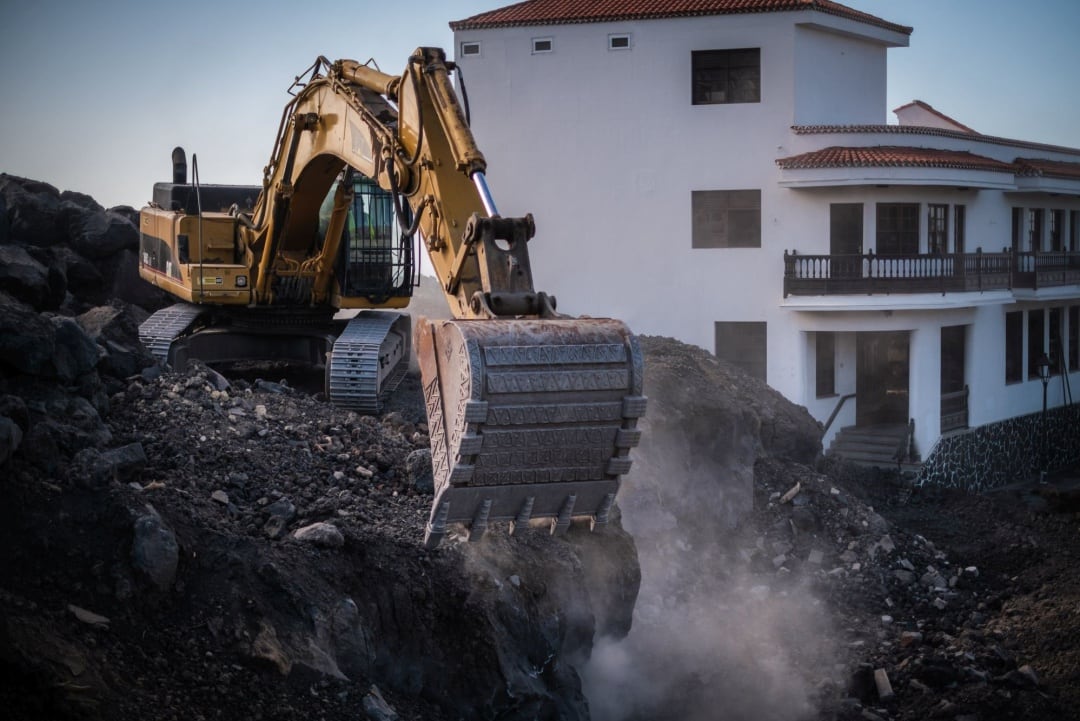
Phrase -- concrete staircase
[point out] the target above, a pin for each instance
(869, 445)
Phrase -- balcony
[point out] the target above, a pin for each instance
(870, 274)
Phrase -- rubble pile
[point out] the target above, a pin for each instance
(182, 545)
(924, 633)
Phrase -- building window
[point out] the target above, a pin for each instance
(742, 343)
(1057, 353)
(1074, 231)
(1017, 227)
(959, 213)
(825, 363)
(1035, 216)
(726, 218)
(726, 76)
(1014, 347)
(541, 45)
(937, 229)
(897, 228)
(1057, 227)
(618, 42)
(470, 49)
(1074, 337)
(1035, 341)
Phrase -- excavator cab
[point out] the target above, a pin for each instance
(376, 260)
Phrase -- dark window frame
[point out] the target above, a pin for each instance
(1057, 227)
(897, 229)
(725, 77)
(1055, 320)
(1074, 337)
(937, 228)
(1014, 347)
(959, 228)
(1035, 223)
(825, 364)
(1036, 325)
(725, 218)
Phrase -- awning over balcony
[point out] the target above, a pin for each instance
(1047, 176)
(905, 165)
(895, 165)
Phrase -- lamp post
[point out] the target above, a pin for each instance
(1043, 367)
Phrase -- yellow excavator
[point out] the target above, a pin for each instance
(531, 413)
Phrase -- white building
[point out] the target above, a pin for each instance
(722, 172)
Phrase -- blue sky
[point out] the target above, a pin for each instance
(95, 95)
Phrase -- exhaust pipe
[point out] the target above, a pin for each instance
(179, 166)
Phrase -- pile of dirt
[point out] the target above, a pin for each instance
(190, 545)
(186, 545)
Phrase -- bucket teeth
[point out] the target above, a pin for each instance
(480, 521)
(524, 515)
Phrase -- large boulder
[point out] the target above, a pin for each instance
(25, 278)
(33, 211)
(27, 339)
(115, 328)
(97, 234)
(82, 278)
(75, 353)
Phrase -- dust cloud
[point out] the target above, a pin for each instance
(715, 634)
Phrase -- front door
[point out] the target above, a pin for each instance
(881, 378)
(845, 239)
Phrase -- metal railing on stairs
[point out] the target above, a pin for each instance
(835, 412)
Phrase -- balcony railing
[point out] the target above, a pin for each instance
(868, 274)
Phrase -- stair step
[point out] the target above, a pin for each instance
(869, 446)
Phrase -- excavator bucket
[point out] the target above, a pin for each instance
(529, 419)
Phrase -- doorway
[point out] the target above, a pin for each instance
(882, 369)
(845, 239)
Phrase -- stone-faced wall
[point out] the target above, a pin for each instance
(1005, 452)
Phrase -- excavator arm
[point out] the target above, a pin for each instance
(531, 413)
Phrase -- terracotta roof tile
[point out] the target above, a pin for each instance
(560, 12)
(927, 130)
(1053, 168)
(893, 156)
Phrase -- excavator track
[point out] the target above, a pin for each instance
(160, 330)
(368, 360)
(529, 419)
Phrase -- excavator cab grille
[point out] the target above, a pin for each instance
(377, 260)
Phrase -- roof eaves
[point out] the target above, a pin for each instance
(893, 157)
(507, 17)
(928, 130)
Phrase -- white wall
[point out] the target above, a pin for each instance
(839, 80)
(605, 147)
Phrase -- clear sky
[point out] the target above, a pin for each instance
(96, 94)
